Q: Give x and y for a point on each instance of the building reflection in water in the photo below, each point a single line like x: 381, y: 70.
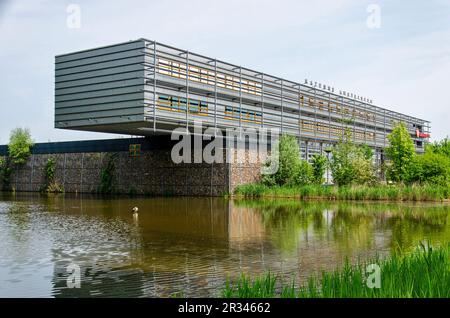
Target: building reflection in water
x: 190, y: 246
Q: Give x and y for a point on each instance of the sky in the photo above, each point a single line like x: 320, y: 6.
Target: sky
x: 395, y: 52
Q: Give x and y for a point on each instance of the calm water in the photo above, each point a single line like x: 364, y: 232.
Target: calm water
x: 191, y: 245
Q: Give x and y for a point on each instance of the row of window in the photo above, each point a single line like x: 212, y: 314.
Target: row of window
x: 335, y: 130
x: 174, y: 103
x: 235, y: 113
x: 338, y: 109
x: 135, y: 150
x: 205, y: 76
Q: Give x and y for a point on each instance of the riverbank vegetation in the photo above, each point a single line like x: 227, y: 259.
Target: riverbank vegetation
x: 19, y: 150
x: 20, y: 144
x: 356, y: 176
x: 426, y: 192
x: 51, y: 185
x: 5, y: 174
x: 107, y: 176
x: 425, y: 273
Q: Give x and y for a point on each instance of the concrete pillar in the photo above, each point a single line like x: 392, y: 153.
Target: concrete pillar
x: 306, y: 150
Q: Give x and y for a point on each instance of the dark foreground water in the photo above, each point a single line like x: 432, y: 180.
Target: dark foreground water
x: 191, y: 245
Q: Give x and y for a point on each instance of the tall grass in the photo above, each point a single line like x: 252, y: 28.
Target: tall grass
x: 381, y: 192
x: 424, y: 273
x: 263, y: 286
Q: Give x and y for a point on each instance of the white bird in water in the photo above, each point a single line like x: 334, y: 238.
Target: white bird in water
x: 135, y: 210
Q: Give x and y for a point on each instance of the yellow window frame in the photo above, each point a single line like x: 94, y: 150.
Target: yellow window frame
x: 135, y: 150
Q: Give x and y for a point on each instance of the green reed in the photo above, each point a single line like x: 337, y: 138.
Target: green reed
x: 373, y: 193
x: 424, y: 273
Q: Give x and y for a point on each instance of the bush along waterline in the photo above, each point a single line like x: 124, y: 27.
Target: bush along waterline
x: 404, y: 176
x: 426, y: 192
x: 51, y: 185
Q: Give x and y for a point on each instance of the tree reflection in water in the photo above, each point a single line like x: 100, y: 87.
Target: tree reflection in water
x: 191, y: 245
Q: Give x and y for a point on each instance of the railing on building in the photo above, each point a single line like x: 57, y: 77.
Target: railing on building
x: 183, y: 87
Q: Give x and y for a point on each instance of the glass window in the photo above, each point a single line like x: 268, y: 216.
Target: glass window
x: 228, y: 111
x: 135, y: 150
x: 236, y: 113
x: 203, y: 107
x: 182, y: 103
x: 174, y: 102
x: 193, y: 106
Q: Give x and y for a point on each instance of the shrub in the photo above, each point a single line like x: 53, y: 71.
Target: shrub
x: 364, y: 172
x: 5, y: 173
x: 50, y: 169
x: 51, y: 185
x: 20, y: 144
x: 431, y: 167
x: 351, y: 164
x: 440, y: 147
x: 400, y: 152
x: 367, y: 152
x: 303, y: 173
x: 341, y: 168
x: 319, y: 164
x: 291, y: 169
x: 107, y: 176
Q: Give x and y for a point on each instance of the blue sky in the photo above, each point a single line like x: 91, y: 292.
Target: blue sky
x: 404, y: 65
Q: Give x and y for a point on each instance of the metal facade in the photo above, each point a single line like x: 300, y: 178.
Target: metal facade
x: 143, y: 88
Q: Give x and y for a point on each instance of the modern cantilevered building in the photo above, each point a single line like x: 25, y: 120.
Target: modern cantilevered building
x: 144, y: 88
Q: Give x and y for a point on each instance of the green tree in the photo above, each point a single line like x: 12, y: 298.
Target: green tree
x: 364, y: 169
x: 2, y: 162
x: 341, y: 167
x: 431, y: 167
x: 367, y: 151
x: 351, y: 164
x: 289, y: 160
x: 20, y: 144
x: 303, y: 174
x: 400, y: 152
x: 319, y: 164
x: 441, y: 147
x: 291, y: 169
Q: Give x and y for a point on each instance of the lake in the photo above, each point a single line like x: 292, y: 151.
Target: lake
x: 191, y: 246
